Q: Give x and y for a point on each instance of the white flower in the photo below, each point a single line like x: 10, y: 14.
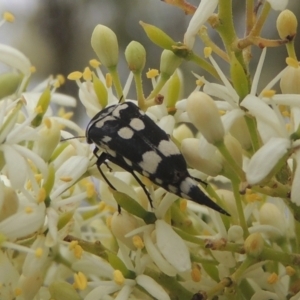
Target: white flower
x: 278, y: 4
x: 203, y: 12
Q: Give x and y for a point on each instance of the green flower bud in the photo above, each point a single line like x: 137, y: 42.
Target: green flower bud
x: 100, y: 91
x: 105, y: 44
x: 169, y: 62
x: 9, y: 83
x: 174, y: 89
x: 135, y: 55
x: 254, y: 244
x: 239, y: 78
x: 290, y: 79
x: 42, y: 107
x: 63, y: 290
x: 287, y: 25
x: 158, y: 37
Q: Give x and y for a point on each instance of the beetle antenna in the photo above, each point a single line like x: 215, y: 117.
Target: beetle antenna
x: 74, y: 137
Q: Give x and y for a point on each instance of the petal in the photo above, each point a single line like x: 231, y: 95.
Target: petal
x: 152, y: 287
x: 265, y: 159
x: 278, y: 4
x: 172, y: 246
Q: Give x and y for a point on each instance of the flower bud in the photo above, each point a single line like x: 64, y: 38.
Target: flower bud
x: 269, y: 214
x: 254, y: 244
x: 287, y: 25
x: 182, y: 132
x: 240, y: 131
x: 204, y: 114
x: 290, y: 79
x: 169, y: 62
x: 235, y: 149
x: 135, y: 55
x: 63, y: 290
x: 174, y: 89
x: 9, y: 83
x: 100, y: 91
x: 157, y: 36
x: 121, y: 224
x: 235, y: 233
x: 105, y: 44
x: 41, y: 107
x: 9, y: 201
x: 200, y: 158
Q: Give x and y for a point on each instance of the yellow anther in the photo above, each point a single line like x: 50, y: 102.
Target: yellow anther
x: 18, y: 292
x: 39, y: 109
x: 56, y: 84
x: 90, y: 189
x: 286, y: 113
x: 288, y: 127
x: 94, y: 63
x: 268, y: 93
x: 138, y: 242
x: 199, y: 82
x: 28, y: 209
x: 61, y: 78
x: 39, y: 252
x: 290, y: 271
x: 101, y: 206
x: 222, y: 112
x: 292, y: 62
x: 80, y: 281
x: 118, y: 277
x: 273, y: 278
x: 78, y: 251
x: 47, y: 122
x: 252, y: 197
x: 87, y: 74
x: 66, y: 178
x: 207, y: 52
x: 183, y: 204
x: 68, y: 115
x: 8, y: 17
x: 38, y: 177
x: 41, y: 196
x: 152, y: 73
x: 196, y: 274
x: 75, y: 75
x: 73, y: 244
x: 108, y: 221
x: 108, y: 80
x: 32, y: 69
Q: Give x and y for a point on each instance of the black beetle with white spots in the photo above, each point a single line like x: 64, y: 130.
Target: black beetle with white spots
x: 131, y: 140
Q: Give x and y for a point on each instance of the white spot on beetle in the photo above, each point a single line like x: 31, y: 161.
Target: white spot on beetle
x: 150, y: 161
x: 101, y: 122
x: 127, y: 161
x: 137, y: 124
x: 173, y: 189
x: 125, y: 133
x: 117, y: 110
x: 168, y: 148
x: 106, y: 139
x: 186, y: 185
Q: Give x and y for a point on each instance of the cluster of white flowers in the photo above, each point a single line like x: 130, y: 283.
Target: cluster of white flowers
x: 61, y: 234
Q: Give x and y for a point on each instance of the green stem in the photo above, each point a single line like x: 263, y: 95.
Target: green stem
x: 290, y: 47
x: 238, y: 201
x: 116, y: 81
x: 261, y: 19
x: 161, y: 82
x: 139, y: 90
x: 249, y: 15
x: 255, y: 138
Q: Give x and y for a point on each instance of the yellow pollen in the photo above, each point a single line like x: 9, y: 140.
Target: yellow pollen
x: 252, y: 197
x: 41, y: 196
x: 80, y: 281
x: 68, y: 115
x: 66, y: 178
x: 222, y: 112
x: 94, y: 63
x: 196, y: 274
x: 291, y: 62
x: 108, y: 80
x: 28, y: 209
x: 152, y: 73
x: 90, y: 189
x: 28, y: 185
x: 183, y: 204
x: 73, y: 244
x: 39, y: 109
x: 138, y: 242
x: 78, y: 251
x: 290, y: 271
x: 286, y: 113
x: 207, y: 52
x: 18, y: 292
x: 101, y: 206
x: 108, y: 221
x: 61, y: 78
x: 56, y: 84
x: 38, y: 252
x: 8, y: 17
x: 75, y: 75
x: 87, y: 74
x: 273, y: 278
x: 118, y: 277
x: 32, y: 69
x: 199, y: 82
x: 268, y: 93
x: 38, y: 177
